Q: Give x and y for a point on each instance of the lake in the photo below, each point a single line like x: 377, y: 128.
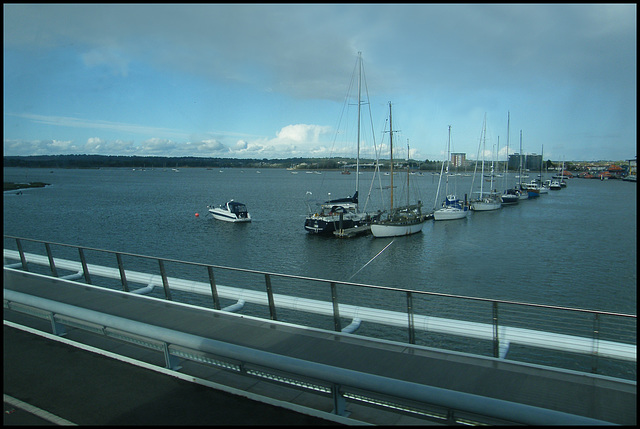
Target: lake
x: 575, y: 247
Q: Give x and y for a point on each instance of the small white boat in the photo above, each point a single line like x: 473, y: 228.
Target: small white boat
x: 449, y: 213
x: 232, y: 211
x: 452, y: 208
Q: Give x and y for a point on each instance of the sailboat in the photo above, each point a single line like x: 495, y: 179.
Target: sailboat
x: 452, y: 207
x: 337, y: 215
x: 510, y: 195
x: 403, y: 220
x: 563, y: 183
x: 521, y: 187
x: 490, y: 201
x: 544, y: 184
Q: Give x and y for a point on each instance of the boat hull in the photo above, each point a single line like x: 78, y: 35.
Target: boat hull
x: 396, y: 229
x: 449, y: 213
x: 226, y: 216
x: 486, y: 205
x: 326, y: 225
x: 510, y: 199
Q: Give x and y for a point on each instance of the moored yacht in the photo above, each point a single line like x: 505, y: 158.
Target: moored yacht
x: 231, y: 211
x: 510, y: 196
x: 336, y: 215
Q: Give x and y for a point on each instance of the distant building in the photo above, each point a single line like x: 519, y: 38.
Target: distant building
x: 529, y: 161
x: 633, y: 166
x: 458, y: 159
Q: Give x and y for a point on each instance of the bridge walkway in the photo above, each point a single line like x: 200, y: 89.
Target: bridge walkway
x: 580, y: 394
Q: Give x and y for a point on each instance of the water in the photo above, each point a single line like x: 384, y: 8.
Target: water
x: 575, y: 247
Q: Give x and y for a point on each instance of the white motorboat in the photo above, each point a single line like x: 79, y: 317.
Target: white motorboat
x: 231, y: 211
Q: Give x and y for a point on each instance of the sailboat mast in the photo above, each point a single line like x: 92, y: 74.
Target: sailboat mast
x: 484, y: 143
x: 541, y: 161
x: 359, y: 103
x: 520, y: 179
x: 391, y: 154
x: 408, y: 172
x: 446, y: 187
x: 506, y: 167
x: 495, y: 153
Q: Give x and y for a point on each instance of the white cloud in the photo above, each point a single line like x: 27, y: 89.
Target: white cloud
x: 290, y: 141
x: 119, y: 147
x: 17, y: 147
x: 211, y: 147
x: 302, y: 133
x: 93, y: 144
x: 157, y: 146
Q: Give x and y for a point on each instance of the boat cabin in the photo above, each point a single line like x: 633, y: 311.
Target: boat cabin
x: 239, y: 209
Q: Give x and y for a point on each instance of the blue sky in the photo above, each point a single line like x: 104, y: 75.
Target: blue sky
x: 269, y: 81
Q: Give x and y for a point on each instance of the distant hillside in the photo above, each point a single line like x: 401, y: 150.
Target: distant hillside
x: 105, y: 161
x: 96, y: 161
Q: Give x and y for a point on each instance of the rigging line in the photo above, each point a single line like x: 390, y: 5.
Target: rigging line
x: 371, y: 260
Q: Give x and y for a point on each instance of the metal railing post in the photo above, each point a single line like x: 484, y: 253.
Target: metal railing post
x: 336, y: 311
x: 214, y: 289
x: 171, y: 362
x: 165, y: 282
x: 596, y: 338
x: 496, y: 340
x: 123, y: 276
x: 412, y: 332
x: 339, y: 403
x: 22, y: 258
x: 52, y: 264
x: 272, y: 305
x: 85, y: 270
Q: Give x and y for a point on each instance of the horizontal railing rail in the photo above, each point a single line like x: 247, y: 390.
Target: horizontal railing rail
x: 498, y: 323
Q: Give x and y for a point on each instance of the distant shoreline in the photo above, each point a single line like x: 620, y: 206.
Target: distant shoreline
x: 12, y: 186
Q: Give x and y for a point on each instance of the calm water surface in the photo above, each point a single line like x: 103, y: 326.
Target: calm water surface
x: 575, y: 247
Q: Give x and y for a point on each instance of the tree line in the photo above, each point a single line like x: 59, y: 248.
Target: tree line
x: 121, y: 161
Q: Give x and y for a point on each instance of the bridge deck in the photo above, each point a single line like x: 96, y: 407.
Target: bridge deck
x: 581, y: 394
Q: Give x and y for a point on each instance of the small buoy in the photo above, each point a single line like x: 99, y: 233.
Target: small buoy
x: 197, y: 214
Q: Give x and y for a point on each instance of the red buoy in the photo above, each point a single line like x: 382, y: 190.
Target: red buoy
x: 197, y: 215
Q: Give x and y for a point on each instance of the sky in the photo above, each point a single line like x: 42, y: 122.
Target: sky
x: 271, y: 80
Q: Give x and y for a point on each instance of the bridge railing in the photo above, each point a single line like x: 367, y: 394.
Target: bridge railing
x: 339, y: 385
x: 578, y: 339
